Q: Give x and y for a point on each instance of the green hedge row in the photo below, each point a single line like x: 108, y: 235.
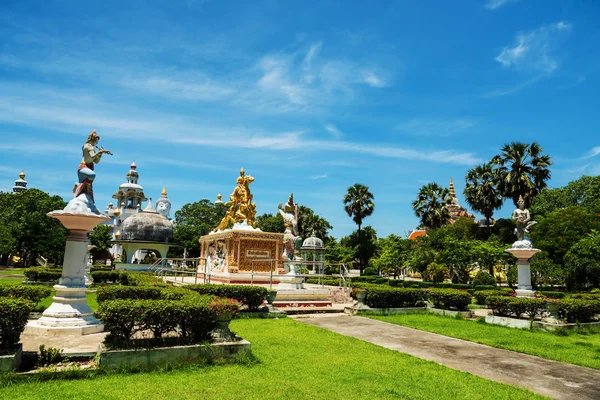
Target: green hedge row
x: 13, y: 318
x: 28, y: 292
x: 250, y: 296
x: 325, y: 281
x: 578, y: 310
x: 509, y: 306
x: 552, y: 295
x: 387, y: 297
x: 192, y: 319
x: 105, y: 276
x: 100, y: 267
x: 42, y: 274
x: 449, y: 299
x: 482, y: 295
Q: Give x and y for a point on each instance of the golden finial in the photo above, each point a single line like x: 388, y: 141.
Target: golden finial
x: 242, y: 171
x: 118, y: 234
x: 22, y: 175
x: 164, y: 191
x: 123, y: 204
x: 219, y: 201
x: 117, y: 212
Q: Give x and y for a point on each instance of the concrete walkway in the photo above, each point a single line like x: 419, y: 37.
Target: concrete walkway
x: 549, y: 378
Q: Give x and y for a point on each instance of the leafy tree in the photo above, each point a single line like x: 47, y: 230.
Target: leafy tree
x: 100, y: 238
x: 430, y: 206
x: 491, y: 255
x: 337, y: 253
x: 544, y: 271
x: 394, y: 253
x: 358, y: 204
x: 7, y: 241
x: 421, y: 254
x: 461, y: 257
x: 367, y: 242
x: 270, y: 223
x: 581, y: 262
x: 583, y: 192
x: 481, y: 191
x: 561, y: 229
x: 463, y: 228
x: 195, y: 220
x: 310, y: 223
x: 436, y: 273
x: 33, y: 232
x: 522, y: 171
x: 504, y: 231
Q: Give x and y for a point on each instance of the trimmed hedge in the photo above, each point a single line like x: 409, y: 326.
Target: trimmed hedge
x: 105, y: 276
x: 584, y: 296
x: 388, y: 297
x: 28, y: 292
x: 326, y: 281
x: 250, y: 296
x: 484, y: 278
x: 42, y: 274
x: 578, y: 310
x: 482, y: 295
x: 128, y: 293
x: 192, y: 318
x: 100, y: 267
x: 449, y: 298
x: 508, y: 306
x: 377, y: 280
x: 133, y: 278
x: 553, y: 295
x: 13, y: 318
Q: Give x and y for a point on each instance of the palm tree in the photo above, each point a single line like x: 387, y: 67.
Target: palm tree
x: 430, y: 206
x: 358, y: 203
x: 481, y: 191
x: 523, y: 171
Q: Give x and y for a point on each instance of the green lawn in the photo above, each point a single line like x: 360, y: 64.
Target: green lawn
x: 16, y: 271
x: 576, y: 348
x: 294, y: 361
x: 11, y: 281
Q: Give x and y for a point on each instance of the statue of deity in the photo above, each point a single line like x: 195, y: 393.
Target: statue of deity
x: 163, y: 204
x: 291, y: 239
x: 241, y: 207
x: 522, y: 218
x: 85, y: 172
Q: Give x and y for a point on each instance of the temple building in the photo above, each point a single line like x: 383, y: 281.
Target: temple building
x: 455, y: 209
x: 138, y: 235
x: 20, y: 184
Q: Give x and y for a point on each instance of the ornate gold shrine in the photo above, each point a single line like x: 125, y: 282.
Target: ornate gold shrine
x: 242, y: 250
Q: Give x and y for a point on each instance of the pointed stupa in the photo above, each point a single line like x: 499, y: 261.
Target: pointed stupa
x: 20, y: 184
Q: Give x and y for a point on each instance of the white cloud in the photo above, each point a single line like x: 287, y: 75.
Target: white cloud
x: 594, y: 151
x: 319, y: 176
x: 188, y: 89
x: 496, y: 4
x: 374, y: 80
x: 331, y: 128
x: 534, y: 50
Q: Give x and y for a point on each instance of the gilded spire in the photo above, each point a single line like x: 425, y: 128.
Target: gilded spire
x: 452, y: 191
x: 164, y: 191
x: 22, y: 175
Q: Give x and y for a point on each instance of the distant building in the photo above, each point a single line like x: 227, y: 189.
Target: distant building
x: 456, y: 210
x: 20, y: 184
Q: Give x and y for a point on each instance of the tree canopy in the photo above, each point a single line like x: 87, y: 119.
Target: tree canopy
x: 583, y: 192
x: 430, y: 206
x: 195, y: 220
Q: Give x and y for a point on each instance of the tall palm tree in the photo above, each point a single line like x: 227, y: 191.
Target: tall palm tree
x: 481, y: 191
x: 358, y: 203
x: 430, y: 206
x: 523, y: 171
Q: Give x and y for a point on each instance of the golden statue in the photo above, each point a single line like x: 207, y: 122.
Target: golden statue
x: 241, y: 207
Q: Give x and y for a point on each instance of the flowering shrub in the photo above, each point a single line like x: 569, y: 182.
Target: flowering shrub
x: 222, y: 305
x: 249, y: 296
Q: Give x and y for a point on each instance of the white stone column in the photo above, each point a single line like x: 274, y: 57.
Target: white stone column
x: 523, y: 251
x: 69, y: 312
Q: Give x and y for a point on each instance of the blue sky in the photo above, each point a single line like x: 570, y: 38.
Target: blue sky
x: 308, y: 97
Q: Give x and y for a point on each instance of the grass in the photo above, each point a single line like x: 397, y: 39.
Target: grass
x: 566, y: 346
x: 16, y: 271
x: 292, y: 361
x: 11, y: 281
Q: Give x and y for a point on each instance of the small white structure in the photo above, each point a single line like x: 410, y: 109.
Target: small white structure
x: 313, y: 253
x: 20, y: 184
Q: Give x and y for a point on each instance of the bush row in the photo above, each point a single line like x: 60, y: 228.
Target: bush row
x: 28, y: 292
x: 387, y: 297
x: 250, y: 296
x: 325, y: 281
x: 449, y: 299
x: 42, y: 274
x: 101, y: 276
x: 100, y: 267
x: 482, y: 295
x: 13, y: 318
x: 508, y: 306
x: 416, y: 284
x: 578, y: 310
x: 192, y: 318
x: 552, y: 294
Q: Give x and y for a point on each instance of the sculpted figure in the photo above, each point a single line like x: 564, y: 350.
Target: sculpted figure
x: 241, y: 207
x: 522, y: 218
x: 163, y: 204
x: 85, y: 172
x: 291, y: 239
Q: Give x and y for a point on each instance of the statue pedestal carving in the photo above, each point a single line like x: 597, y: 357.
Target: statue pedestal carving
x: 69, y: 312
x: 241, y: 255
x: 523, y: 251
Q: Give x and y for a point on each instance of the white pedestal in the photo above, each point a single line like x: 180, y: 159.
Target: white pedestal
x: 290, y: 282
x: 69, y: 312
x: 523, y: 253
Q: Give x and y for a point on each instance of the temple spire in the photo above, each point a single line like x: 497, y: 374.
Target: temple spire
x: 20, y: 184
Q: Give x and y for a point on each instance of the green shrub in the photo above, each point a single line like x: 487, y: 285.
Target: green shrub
x: 396, y: 283
x: 42, y: 274
x: 436, y: 273
x: 484, y: 278
x: 325, y: 281
x: 377, y: 280
x: 509, y: 306
x: 193, y: 318
x: 128, y: 293
x: 388, y: 297
x: 584, y: 296
x: 100, y: 267
x: 135, y: 278
x: 417, y: 284
x: 449, y: 298
x: 105, y: 276
x: 49, y: 356
x: 28, y: 292
x: 578, y: 310
x: 482, y: 295
x: 250, y: 296
x: 370, y: 271
x: 13, y: 318
x: 553, y: 295
x: 484, y: 287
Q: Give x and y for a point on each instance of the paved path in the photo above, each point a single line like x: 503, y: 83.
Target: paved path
x: 549, y: 378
